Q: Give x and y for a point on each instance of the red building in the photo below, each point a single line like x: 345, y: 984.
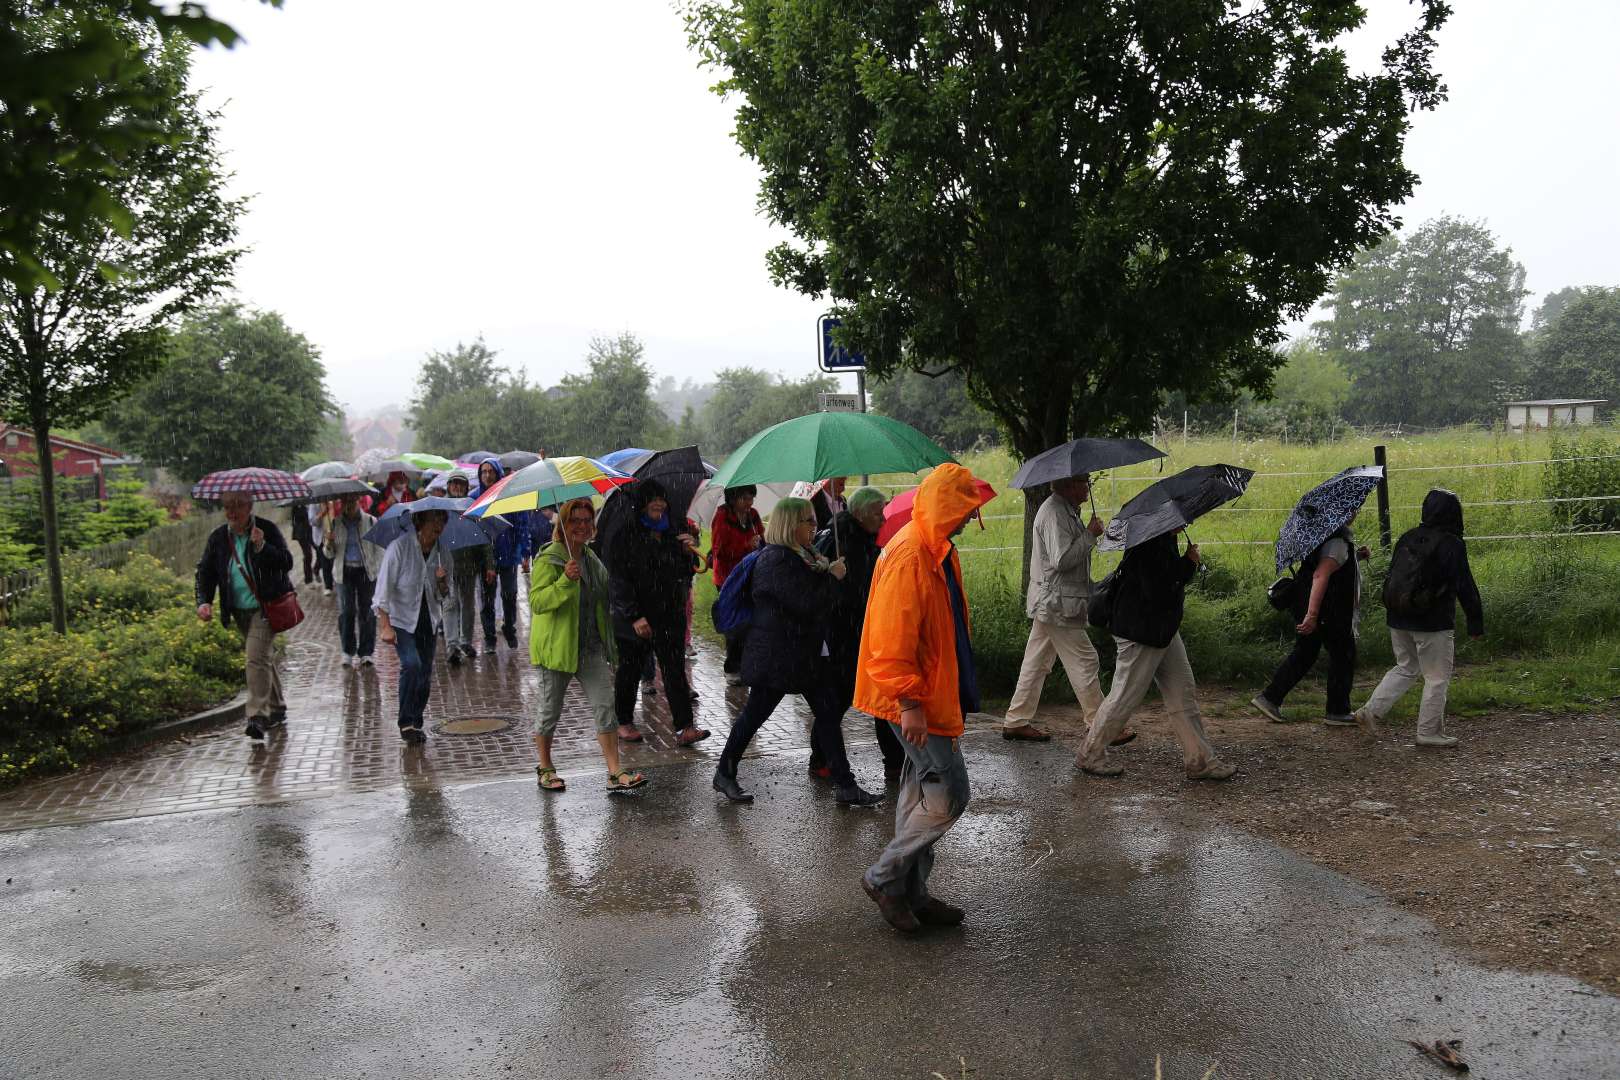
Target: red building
x: 18, y: 457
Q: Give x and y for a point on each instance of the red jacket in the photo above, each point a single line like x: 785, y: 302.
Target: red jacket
x: 731, y: 541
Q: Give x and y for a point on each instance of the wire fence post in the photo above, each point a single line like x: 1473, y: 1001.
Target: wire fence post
x: 1381, y: 459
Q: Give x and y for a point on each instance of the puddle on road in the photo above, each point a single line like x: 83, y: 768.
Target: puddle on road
x: 132, y: 977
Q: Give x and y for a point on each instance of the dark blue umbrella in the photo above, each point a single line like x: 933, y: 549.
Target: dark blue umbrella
x: 459, y: 532
x: 1324, y: 510
x: 1174, y: 503
x: 628, y: 459
x: 1082, y: 456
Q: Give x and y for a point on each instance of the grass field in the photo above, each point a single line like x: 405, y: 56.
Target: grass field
x: 1552, y: 604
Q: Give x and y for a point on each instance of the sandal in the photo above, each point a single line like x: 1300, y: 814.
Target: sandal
x: 549, y: 780
x: 634, y: 736
x: 624, y: 780
x: 691, y: 735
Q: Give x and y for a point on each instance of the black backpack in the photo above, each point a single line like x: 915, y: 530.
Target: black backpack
x: 1414, y: 584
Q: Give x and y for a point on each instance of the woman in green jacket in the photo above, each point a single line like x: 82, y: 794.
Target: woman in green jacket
x: 571, y: 637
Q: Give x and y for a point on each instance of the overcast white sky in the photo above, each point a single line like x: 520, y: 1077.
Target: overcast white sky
x: 544, y: 172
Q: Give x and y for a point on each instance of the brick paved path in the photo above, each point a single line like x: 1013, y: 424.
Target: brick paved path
x: 341, y: 736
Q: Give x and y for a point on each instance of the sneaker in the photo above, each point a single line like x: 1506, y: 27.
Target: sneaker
x: 367, y: 661
x: 255, y: 727
x: 454, y: 658
x: 934, y: 912
x: 896, y: 912
x: 1215, y: 770
x: 1102, y: 768
x: 348, y: 661
x: 413, y: 736
x: 1442, y: 741
x: 277, y: 718
x: 1339, y: 720
x: 1271, y: 712
x: 326, y: 591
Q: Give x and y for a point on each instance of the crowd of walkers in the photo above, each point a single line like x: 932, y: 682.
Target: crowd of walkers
x: 831, y: 617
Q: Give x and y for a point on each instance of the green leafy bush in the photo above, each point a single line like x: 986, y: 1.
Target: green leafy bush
x: 136, y: 662
x: 141, y: 586
x: 1590, y: 467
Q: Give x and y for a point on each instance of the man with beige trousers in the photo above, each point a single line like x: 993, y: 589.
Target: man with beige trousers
x: 1059, y: 590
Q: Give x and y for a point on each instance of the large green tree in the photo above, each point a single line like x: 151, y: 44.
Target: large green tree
x: 239, y: 388
x: 1076, y: 206
x: 1427, y: 326
x: 610, y: 405
x: 77, y: 109
x: 456, y: 391
x: 939, y: 408
x: 1577, y: 354
x: 71, y: 346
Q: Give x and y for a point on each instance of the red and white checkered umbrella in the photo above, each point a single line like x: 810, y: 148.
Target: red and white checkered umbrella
x: 258, y: 483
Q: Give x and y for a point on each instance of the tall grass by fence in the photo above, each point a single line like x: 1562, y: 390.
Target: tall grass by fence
x: 177, y: 546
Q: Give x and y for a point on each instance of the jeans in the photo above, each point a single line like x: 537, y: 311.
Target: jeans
x: 506, y: 577
x: 415, y: 651
x: 826, y: 732
x: 354, y: 606
x: 933, y: 794
x: 1341, y: 650
x: 633, y: 653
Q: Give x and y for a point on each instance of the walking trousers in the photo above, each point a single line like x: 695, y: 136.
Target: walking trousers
x: 1428, y: 654
x: 634, y: 651
x: 263, y: 677
x: 1340, y: 643
x: 933, y: 794
x: 1048, y: 643
x: 1137, y: 667
x: 826, y: 732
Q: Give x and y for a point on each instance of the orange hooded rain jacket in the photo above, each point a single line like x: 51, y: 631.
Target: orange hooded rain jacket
x: 908, y: 642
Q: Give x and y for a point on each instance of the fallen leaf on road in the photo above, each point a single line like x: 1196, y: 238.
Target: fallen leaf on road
x: 1443, y: 1052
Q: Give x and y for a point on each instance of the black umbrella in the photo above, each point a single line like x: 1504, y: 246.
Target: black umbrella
x: 1173, y: 503
x: 332, y: 488
x: 1324, y: 510
x: 513, y: 460
x: 680, y: 473
x: 1082, y: 456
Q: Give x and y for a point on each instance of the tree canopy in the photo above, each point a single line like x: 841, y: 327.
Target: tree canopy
x: 939, y: 408
x: 1075, y: 207
x: 1427, y: 326
x: 1577, y: 354
x: 239, y: 388
x: 746, y: 401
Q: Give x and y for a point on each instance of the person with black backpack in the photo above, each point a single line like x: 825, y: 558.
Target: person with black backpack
x: 1326, y: 605
x: 1428, y: 577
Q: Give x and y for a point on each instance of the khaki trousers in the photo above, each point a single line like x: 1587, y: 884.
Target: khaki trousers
x: 1430, y: 654
x: 1050, y: 642
x: 263, y: 679
x: 1138, y: 667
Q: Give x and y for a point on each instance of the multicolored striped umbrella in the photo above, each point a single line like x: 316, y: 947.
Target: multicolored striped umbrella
x: 258, y: 483
x: 548, y: 483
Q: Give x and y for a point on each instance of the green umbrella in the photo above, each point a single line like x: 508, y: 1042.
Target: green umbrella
x: 424, y: 462
x: 824, y: 445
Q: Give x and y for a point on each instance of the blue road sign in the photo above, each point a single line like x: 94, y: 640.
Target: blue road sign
x: 834, y: 358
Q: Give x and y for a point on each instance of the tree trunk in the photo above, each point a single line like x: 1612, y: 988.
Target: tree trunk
x: 47, y: 510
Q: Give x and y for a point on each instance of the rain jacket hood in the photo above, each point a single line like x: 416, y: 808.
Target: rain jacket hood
x: 500, y: 471
x: 908, y: 640
x: 1443, y: 510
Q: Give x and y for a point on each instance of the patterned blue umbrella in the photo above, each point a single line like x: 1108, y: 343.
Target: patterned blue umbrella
x: 1323, y: 511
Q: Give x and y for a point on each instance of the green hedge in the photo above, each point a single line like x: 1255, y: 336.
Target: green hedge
x: 136, y: 656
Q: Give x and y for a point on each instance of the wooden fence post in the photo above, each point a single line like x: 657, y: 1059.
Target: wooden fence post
x: 1381, y: 457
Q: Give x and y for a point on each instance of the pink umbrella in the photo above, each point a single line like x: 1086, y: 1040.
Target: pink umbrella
x: 898, y: 512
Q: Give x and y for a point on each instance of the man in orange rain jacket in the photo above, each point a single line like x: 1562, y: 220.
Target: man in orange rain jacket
x: 916, y: 671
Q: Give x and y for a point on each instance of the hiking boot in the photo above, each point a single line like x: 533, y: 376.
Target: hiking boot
x: 896, y: 912
x: 855, y: 795
x: 1271, y: 712
x: 1339, y: 720
x: 725, y: 782
x: 1215, y: 770
x: 934, y: 912
x: 1441, y: 741
x: 1102, y: 768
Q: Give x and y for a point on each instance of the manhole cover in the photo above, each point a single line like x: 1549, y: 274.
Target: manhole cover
x: 475, y: 725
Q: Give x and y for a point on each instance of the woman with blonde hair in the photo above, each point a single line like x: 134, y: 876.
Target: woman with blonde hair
x: 571, y: 638
x: 792, y: 589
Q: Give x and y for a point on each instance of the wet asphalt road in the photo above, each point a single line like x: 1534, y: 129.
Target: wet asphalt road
x: 494, y: 931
